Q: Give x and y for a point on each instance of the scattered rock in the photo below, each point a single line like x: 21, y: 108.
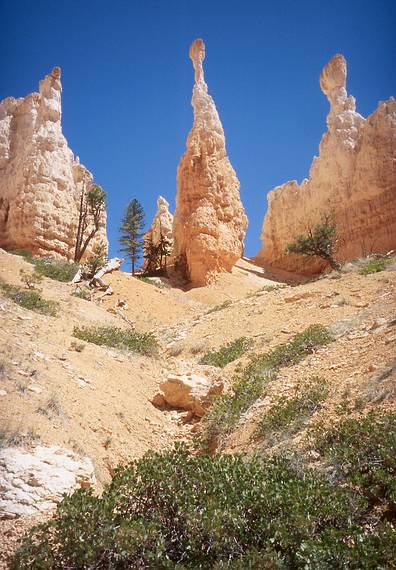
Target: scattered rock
x: 187, y: 392
x: 34, y: 481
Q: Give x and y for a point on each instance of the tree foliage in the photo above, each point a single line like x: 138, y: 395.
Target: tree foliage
x: 92, y: 207
x: 174, y: 510
x: 156, y: 255
x: 131, y: 232
x: 320, y: 241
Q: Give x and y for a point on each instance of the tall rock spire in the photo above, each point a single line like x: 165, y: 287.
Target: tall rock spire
x: 209, y: 223
x: 353, y: 178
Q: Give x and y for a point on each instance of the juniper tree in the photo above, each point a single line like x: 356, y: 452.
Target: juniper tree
x: 321, y: 240
x: 131, y: 232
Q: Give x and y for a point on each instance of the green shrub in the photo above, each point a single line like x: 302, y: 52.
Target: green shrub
x: 114, y: 337
x: 81, y: 293
x: 228, y: 408
x: 287, y: 415
x: 57, y: 269
x: 25, y: 253
x: 29, y: 299
x: 227, y: 353
x: 293, y: 352
x: 374, y: 265
x: 220, y: 307
x: 176, y: 510
x: 362, y: 451
x: 158, y: 284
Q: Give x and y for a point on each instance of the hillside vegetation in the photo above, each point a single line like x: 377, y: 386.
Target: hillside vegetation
x: 292, y: 467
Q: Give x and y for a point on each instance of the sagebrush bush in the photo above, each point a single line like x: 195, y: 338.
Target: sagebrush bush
x: 176, y: 510
x: 30, y: 299
x: 374, y: 265
x: 227, y: 353
x: 287, y: 414
x: 249, y: 386
x: 220, y: 307
x: 114, y: 337
x: 57, y: 269
x: 362, y: 451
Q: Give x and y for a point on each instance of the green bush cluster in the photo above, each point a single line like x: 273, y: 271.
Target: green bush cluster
x: 29, y: 299
x: 374, y: 265
x: 228, y: 408
x: 362, y: 451
x: 287, y: 415
x: 179, y: 511
x: 220, y: 307
x: 57, y: 269
x: 114, y: 337
x: 227, y: 353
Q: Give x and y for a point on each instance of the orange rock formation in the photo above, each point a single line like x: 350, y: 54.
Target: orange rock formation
x: 354, y: 178
x: 40, y: 179
x: 209, y: 222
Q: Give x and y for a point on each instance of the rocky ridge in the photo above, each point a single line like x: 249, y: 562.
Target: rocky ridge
x: 353, y: 178
x: 209, y: 222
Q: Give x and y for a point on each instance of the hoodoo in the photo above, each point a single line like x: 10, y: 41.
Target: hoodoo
x: 40, y: 179
x: 210, y: 222
x: 354, y: 179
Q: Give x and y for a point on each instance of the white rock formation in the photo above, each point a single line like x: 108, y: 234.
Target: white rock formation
x: 188, y: 392
x: 209, y: 222
x: 33, y: 481
x: 40, y: 179
x: 354, y: 178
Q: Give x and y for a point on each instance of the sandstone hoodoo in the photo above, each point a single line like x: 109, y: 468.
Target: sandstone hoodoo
x: 40, y: 179
x: 210, y: 222
x: 354, y: 179
x: 161, y: 227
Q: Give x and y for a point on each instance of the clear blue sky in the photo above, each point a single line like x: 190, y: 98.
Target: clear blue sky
x: 127, y: 83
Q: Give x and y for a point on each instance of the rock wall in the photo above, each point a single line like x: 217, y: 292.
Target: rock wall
x: 354, y: 177
x: 40, y: 179
x: 209, y: 223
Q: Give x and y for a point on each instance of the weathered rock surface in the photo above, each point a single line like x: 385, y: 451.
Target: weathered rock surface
x: 354, y: 178
x: 187, y: 392
x: 162, y: 224
x: 33, y: 481
x: 40, y: 179
x: 209, y: 223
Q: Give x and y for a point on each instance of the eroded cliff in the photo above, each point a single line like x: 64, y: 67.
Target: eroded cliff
x: 354, y: 178
x: 40, y: 179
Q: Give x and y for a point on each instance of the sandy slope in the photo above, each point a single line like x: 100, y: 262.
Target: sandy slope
x: 97, y: 401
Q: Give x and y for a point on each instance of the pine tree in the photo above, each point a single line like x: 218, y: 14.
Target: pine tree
x: 92, y: 207
x: 131, y: 231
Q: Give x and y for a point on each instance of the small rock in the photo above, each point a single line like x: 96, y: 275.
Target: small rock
x: 34, y: 388
x: 3, y: 393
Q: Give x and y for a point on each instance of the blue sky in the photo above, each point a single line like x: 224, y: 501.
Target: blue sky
x: 127, y: 83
